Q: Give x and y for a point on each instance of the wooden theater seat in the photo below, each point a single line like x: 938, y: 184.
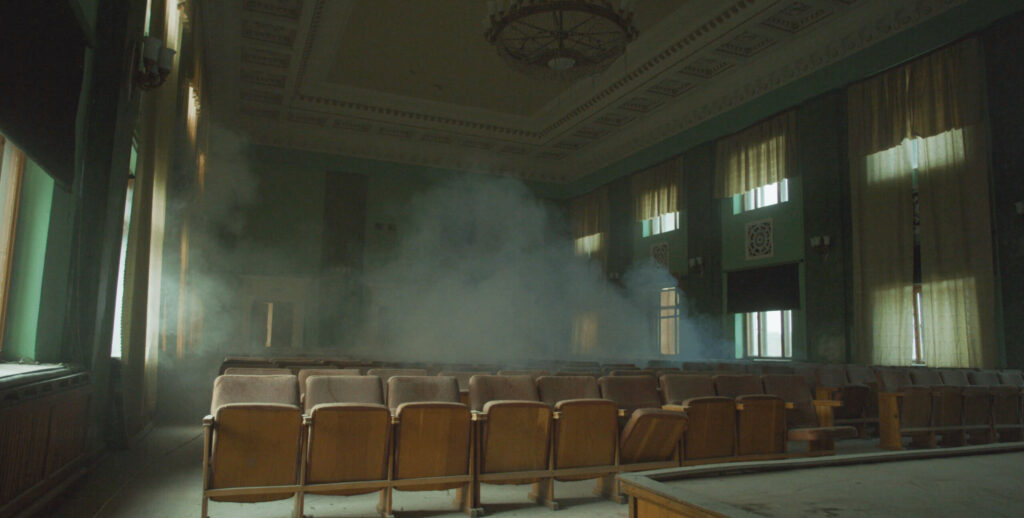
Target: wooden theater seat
x: 585, y: 429
x: 304, y: 375
x: 809, y: 419
x: 252, y: 440
x: 513, y: 433
x: 976, y: 401
x: 760, y: 417
x: 349, y: 439
x: 1006, y: 405
x: 711, y: 419
x: 904, y: 409
x: 833, y: 384
x: 257, y: 371
x: 947, y: 405
x: 649, y: 434
x: 432, y: 435
x: 865, y: 375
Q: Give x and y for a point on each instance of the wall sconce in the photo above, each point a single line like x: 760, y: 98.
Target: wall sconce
x: 1020, y: 207
x: 821, y: 244
x: 697, y: 265
x: 157, y: 61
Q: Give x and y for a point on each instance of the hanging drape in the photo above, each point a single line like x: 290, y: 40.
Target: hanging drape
x: 12, y: 164
x: 656, y: 190
x: 762, y: 154
x: 957, y: 284
x: 930, y: 110
x: 589, y: 216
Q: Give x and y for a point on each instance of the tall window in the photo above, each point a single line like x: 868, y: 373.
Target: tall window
x: 668, y: 320
x: 769, y: 334
x: 656, y: 198
x: 12, y: 164
x: 118, y: 334
x: 589, y: 215
x: 922, y: 248
x: 764, y: 196
x: 755, y: 162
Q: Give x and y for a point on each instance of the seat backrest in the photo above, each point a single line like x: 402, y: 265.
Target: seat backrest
x: 414, y: 389
x: 925, y: 376
x: 552, y: 389
x: 342, y: 389
x: 256, y: 371
x: 735, y: 385
x: 631, y: 392
x: 627, y: 372
x: 730, y: 367
x: 522, y: 372
x: 954, y: 377
x: 986, y: 378
x: 663, y: 364
x: 386, y: 372
x: 304, y: 374
x: 792, y: 389
x: 860, y: 374
x: 239, y: 388
x: 462, y: 377
x: 489, y: 387
x: 774, y: 368
x: 892, y: 379
x: 1012, y: 377
x: 698, y: 367
x: 832, y: 376
x: 679, y: 387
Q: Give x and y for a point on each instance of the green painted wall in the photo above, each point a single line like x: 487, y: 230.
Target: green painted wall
x: 50, y: 344
x: 28, y: 265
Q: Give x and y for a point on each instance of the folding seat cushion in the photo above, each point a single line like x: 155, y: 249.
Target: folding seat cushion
x: 711, y: 420
x: 252, y: 438
x: 650, y: 434
x: 258, y: 371
x: 807, y: 420
x: 349, y: 437
x: 304, y: 374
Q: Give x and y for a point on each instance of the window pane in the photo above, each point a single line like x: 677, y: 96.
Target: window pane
x: 770, y: 194
x: 773, y: 333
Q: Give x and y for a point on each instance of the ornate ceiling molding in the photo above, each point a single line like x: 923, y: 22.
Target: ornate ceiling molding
x: 708, y: 58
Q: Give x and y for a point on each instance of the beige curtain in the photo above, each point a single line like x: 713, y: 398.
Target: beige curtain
x: 930, y: 109
x: 12, y: 165
x: 589, y: 215
x: 957, y: 284
x: 656, y: 190
x: 762, y: 154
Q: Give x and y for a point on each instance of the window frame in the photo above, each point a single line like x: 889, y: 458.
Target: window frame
x: 671, y: 312
x: 755, y: 348
x: 755, y: 198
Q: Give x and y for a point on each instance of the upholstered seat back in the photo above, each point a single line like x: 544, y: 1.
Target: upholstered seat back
x: 462, y: 377
x: 679, y: 387
x: 342, y: 389
x: 832, y: 376
x: 925, y: 377
x: 552, y: 389
x: 239, y: 388
x: 485, y: 388
x: 631, y: 392
x: 735, y: 385
x: 416, y: 389
x: 792, y: 389
x: 256, y: 371
x: 304, y: 374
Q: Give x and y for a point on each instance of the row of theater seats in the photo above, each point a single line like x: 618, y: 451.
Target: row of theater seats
x: 355, y: 434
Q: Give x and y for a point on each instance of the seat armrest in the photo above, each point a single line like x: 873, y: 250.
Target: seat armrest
x: 827, y: 403
x: 823, y: 392
x: 622, y: 412
x: 897, y: 395
x: 790, y: 405
x: 675, y: 407
x: 208, y: 421
x: 512, y: 403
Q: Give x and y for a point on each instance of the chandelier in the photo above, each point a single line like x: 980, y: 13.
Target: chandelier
x: 560, y: 39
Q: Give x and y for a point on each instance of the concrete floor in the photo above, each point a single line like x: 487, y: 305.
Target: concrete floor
x: 161, y: 477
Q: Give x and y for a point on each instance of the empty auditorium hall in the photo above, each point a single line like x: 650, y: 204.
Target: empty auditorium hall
x: 511, y: 258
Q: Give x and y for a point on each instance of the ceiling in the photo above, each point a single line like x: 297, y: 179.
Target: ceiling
x: 415, y: 82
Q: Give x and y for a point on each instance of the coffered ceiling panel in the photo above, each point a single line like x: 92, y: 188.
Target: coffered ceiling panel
x: 416, y: 82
